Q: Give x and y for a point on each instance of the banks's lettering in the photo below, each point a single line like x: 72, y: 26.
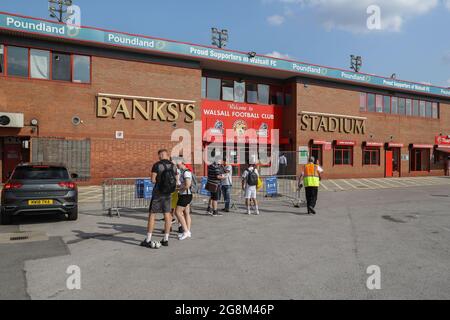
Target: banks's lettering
x: 150, y: 109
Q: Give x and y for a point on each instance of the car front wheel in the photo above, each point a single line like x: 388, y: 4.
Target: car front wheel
x: 73, y: 215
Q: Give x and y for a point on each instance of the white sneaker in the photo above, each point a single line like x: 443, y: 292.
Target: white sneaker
x: 185, y: 236
x: 249, y: 213
x: 257, y: 213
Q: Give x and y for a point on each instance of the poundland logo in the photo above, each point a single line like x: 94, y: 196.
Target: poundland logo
x: 11, y: 22
x: 130, y: 41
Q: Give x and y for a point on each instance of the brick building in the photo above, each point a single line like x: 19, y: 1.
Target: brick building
x: 104, y: 102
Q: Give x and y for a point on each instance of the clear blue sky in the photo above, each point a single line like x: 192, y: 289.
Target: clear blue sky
x: 414, y: 41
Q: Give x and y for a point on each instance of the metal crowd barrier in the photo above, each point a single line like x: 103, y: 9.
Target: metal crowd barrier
x: 122, y: 194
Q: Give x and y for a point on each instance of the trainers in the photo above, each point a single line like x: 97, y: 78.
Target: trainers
x: 185, y: 236
x: 165, y: 243
x: 146, y: 244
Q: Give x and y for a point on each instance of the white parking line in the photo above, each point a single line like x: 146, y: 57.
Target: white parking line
x: 324, y: 186
x: 359, y: 181
x: 336, y: 185
x: 386, y: 182
x: 351, y: 185
x: 402, y: 184
x: 375, y: 183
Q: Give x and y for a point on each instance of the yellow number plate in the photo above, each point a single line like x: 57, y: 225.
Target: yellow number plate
x: 40, y: 202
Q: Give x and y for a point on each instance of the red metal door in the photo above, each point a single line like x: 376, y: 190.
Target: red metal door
x: 389, y: 164
x: 12, y: 156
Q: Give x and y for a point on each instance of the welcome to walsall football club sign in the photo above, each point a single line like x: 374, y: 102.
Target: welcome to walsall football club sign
x: 85, y: 34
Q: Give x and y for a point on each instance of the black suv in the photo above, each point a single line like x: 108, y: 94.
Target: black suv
x: 39, y: 189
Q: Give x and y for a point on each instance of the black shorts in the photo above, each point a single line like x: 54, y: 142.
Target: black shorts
x: 215, y: 196
x: 184, y: 200
x: 161, y: 204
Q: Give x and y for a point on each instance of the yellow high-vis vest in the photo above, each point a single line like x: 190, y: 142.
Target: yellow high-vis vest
x: 311, y: 177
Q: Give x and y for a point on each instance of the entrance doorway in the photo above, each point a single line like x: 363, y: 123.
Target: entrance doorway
x: 14, y: 151
x: 239, y: 156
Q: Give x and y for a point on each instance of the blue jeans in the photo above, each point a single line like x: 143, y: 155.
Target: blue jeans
x: 226, y: 191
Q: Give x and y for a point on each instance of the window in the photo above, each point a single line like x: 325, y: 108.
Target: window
x: 394, y: 105
x: 362, y: 102
x: 416, y: 108
x: 420, y: 160
x: 213, y: 88
x: 371, y: 102
x: 2, y: 57
x: 343, y: 155
x: 379, y: 102
x: 408, y: 107
x: 17, y: 61
x: 288, y: 96
x: 422, y: 108
x: 316, y: 152
x: 263, y: 94
x: 252, y: 93
x: 371, y: 156
x: 228, y: 90
x: 81, y: 69
x: 401, y: 106
x: 387, y: 104
x: 428, y: 110
x: 203, y: 87
x: 39, y: 64
x: 435, y: 111
x: 61, y: 69
x: 239, y: 91
x: 276, y: 95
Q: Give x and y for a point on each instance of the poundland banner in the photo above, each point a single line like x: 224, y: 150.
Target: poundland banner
x: 85, y: 34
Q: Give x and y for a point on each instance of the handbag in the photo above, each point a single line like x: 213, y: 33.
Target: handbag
x: 212, y: 187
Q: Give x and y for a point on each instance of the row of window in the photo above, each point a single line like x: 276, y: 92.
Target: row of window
x: 44, y: 64
x: 241, y: 92
x: 343, y: 155
x: 402, y: 106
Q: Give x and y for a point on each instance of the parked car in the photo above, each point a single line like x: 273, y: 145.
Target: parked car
x: 35, y: 189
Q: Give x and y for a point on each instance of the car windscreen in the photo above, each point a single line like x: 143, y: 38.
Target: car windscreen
x: 40, y: 173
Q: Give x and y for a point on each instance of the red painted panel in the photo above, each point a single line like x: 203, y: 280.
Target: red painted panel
x: 389, y: 164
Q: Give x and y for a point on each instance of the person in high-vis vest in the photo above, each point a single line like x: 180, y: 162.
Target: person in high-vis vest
x: 311, y: 176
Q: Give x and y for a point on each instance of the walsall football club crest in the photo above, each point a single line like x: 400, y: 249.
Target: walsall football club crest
x: 263, y: 130
x: 218, y: 127
x: 240, y: 127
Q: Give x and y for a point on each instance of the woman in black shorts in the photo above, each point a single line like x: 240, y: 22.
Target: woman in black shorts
x: 184, y: 200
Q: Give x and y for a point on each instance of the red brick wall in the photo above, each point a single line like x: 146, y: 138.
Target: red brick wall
x: 55, y: 103
x: 404, y: 129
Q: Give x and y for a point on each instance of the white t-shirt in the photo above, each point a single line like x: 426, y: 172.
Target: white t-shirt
x: 245, y: 175
x: 187, y: 175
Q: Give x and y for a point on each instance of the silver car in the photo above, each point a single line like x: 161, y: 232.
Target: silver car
x: 35, y: 189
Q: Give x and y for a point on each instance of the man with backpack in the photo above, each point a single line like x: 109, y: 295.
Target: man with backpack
x: 215, y: 177
x: 250, y: 180
x: 227, y: 186
x: 164, y: 177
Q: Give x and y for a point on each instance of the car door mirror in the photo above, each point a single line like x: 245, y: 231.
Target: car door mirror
x: 74, y: 176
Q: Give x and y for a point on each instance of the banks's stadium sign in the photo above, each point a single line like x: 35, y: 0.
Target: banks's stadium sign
x: 155, y: 45
x: 147, y: 108
x: 332, y: 123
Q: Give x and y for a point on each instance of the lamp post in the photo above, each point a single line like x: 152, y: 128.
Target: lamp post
x: 356, y: 63
x: 219, y: 38
x: 58, y: 9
